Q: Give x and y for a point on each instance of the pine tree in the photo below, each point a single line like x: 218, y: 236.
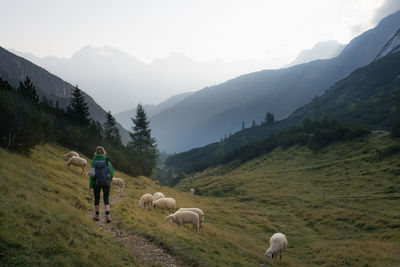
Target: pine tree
x: 142, y: 144
x: 78, y: 108
x: 111, y: 130
x: 269, y: 119
x: 28, y: 90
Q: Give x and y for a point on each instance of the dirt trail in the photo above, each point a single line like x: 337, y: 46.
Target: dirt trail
x: 145, y: 251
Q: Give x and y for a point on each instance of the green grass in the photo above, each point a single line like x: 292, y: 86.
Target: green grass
x: 43, y: 215
x: 338, y: 207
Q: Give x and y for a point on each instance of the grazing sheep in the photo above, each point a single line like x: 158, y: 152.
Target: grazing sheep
x: 78, y: 162
x: 278, y: 243
x: 184, y: 217
x: 117, y: 182
x: 157, y: 195
x: 146, y: 201
x: 70, y: 155
x: 157, y: 182
x: 192, y: 191
x: 199, y: 212
x: 165, y: 203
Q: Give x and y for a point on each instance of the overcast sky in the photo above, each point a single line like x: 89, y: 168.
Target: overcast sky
x: 201, y: 29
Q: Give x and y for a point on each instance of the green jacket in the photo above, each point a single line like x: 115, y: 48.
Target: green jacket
x: 110, y: 167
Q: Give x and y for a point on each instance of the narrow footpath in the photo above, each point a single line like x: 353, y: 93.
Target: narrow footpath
x: 145, y: 251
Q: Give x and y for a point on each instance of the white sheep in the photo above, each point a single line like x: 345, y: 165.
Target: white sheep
x: 77, y: 162
x: 146, y: 201
x: 117, y: 182
x: 158, y: 195
x: 199, y: 212
x: 70, y: 155
x: 192, y: 190
x: 184, y: 217
x: 278, y: 243
x: 166, y: 203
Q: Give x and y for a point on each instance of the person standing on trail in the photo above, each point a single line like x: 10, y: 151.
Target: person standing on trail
x: 101, y: 175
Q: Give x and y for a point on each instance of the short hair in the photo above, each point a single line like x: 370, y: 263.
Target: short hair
x: 100, y: 150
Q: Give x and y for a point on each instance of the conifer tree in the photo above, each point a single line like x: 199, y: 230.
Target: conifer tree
x: 28, y: 90
x: 111, y: 130
x: 142, y: 144
x: 78, y: 108
x: 269, y: 119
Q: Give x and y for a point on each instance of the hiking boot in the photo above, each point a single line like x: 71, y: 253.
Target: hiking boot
x: 96, y: 217
x: 108, y: 218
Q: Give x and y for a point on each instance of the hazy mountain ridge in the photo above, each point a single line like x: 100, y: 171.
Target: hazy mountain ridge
x: 213, y: 112
x: 109, y: 73
x: 14, y: 69
x: 124, y: 117
x: 321, y: 50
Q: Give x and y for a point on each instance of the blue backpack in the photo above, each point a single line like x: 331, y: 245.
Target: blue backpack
x: 102, y: 171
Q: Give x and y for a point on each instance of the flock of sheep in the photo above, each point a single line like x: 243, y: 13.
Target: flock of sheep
x: 182, y: 216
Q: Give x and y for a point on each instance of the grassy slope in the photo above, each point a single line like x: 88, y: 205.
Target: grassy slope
x: 43, y: 207
x: 339, y: 206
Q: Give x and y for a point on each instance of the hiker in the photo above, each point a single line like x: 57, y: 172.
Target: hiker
x: 101, y: 175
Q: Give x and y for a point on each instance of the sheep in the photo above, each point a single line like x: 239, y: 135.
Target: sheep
x: 117, y: 182
x: 146, y: 201
x: 184, y: 217
x: 70, y: 155
x: 78, y: 162
x: 278, y: 243
x: 191, y: 191
x: 165, y: 203
x: 158, y: 195
x: 199, y: 212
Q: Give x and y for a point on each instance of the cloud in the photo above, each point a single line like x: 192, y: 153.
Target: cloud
x: 388, y: 7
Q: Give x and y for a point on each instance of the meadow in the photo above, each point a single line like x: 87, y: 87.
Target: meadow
x: 338, y: 207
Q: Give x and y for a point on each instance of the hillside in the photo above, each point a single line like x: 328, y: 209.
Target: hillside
x: 330, y: 205
x: 43, y: 215
x: 124, y: 117
x: 14, y: 69
x: 321, y: 50
x: 369, y: 96
x: 337, y: 207
x: 211, y: 113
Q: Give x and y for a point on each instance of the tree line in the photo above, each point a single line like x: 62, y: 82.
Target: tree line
x: 25, y: 122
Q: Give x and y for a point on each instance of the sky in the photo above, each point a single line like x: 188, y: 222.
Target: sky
x: 203, y: 30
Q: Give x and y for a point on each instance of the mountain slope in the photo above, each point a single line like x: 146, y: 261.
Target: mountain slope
x: 43, y: 215
x: 392, y: 46
x: 321, y: 50
x: 213, y: 112
x: 330, y: 204
x: 14, y: 69
x: 124, y: 117
x: 369, y: 96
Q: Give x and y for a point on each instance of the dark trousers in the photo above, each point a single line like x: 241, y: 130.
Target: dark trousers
x: 96, y: 191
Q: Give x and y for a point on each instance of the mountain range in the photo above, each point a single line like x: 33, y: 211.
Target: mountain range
x: 213, y: 112
x: 109, y: 73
